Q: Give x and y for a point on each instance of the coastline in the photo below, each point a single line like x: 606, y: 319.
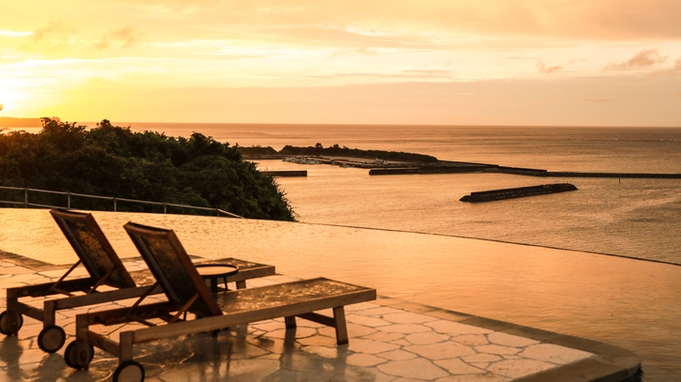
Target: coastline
x: 381, y: 162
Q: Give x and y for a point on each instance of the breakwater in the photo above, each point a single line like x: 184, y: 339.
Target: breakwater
x: 407, y: 163
x: 463, y: 167
x: 286, y: 173
x: 518, y: 192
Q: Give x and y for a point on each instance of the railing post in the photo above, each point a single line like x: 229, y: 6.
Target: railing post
x: 165, y: 205
x: 25, y: 197
x: 68, y: 200
x: 114, y: 200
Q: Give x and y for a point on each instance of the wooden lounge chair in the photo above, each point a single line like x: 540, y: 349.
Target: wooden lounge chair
x: 108, y: 281
x: 187, y: 293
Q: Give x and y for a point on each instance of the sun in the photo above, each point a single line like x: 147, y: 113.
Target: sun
x: 5, y: 98
x: 9, y: 98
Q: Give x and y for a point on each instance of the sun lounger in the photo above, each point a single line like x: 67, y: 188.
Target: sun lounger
x: 108, y: 281
x: 187, y: 293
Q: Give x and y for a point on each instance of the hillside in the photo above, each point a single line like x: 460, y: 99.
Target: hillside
x: 117, y: 162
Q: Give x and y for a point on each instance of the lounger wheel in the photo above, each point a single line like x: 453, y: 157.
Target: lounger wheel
x: 10, y: 323
x: 51, y: 338
x: 129, y: 371
x: 79, y: 356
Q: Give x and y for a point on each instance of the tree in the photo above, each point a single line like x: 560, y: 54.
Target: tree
x: 115, y: 161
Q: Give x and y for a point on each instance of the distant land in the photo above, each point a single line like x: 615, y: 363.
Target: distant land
x: 318, y: 151
x: 20, y: 122
x: 380, y: 162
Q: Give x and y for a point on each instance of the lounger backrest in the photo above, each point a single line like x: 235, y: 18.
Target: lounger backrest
x: 92, y: 247
x: 172, y: 267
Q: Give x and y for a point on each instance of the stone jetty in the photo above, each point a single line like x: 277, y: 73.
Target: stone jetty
x: 518, y: 192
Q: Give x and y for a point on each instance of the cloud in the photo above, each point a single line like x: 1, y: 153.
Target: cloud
x: 54, y: 31
x: 349, y: 37
x: 549, y: 69
x: 671, y: 72
x: 401, y: 75
x: 55, y: 38
x: 61, y: 39
x: 123, y: 37
x: 427, y: 72
x: 573, y: 19
x: 642, y: 60
x: 365, y: 51
x: 677, y: 66
x: 8, y: 33
x: 594, y: 19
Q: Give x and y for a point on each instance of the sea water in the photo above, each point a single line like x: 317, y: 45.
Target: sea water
x: 637, y: 218
x: 627, y: 302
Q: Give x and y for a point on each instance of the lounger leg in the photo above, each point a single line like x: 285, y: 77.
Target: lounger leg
x: 125, y: 347
x: 80, y: 352
x: 341, y: 328
x: 82, y: 327
x: 49, y: 313
x: 290, y: 322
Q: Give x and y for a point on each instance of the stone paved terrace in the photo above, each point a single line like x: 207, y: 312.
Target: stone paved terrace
x: 390, y: 340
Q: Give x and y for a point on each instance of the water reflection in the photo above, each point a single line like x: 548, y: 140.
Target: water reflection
x: 628, y: 303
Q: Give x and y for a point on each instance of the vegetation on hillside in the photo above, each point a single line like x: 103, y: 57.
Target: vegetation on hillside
x: 115, y: 161
x: 338, y: 151
x: 259, y: 152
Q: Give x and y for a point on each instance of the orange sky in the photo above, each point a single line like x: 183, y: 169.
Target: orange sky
x: 520, y: 62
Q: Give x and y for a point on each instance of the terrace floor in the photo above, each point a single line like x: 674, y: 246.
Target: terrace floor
x: 390, y: 340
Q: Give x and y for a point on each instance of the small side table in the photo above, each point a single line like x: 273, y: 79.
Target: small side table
x: 214, y: 272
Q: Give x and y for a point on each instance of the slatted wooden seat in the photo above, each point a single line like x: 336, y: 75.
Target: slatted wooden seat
x: 186, y: 293
x: 108, y: 281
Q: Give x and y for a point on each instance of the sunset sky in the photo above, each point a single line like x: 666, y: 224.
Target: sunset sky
x: 450, y: 62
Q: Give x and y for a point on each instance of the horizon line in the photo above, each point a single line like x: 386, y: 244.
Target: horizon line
x: 345, y: 124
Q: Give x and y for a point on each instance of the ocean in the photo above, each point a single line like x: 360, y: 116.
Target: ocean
x: 639, y: 218
x: 628, y: 224
x: 601, y: 262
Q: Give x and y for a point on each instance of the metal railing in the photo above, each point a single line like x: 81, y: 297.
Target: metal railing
x: 26, y: 203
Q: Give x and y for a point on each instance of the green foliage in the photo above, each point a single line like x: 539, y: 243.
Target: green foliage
x: 338, y: 151
x: 258, y: 151
x: 115, y: 161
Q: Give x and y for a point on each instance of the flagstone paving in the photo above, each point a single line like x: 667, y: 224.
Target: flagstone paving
x: 390, y: 340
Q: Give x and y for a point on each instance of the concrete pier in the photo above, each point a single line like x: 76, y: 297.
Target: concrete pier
x: 517, y: 192
x: 287, y: 173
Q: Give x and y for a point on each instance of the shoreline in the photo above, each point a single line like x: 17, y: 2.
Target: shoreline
x: 454, y: 167
x: 380, y: 162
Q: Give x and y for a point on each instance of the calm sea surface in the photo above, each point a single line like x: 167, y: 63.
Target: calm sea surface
x: 640, y: 218
x: 408, y: 235
x: 637, y: 306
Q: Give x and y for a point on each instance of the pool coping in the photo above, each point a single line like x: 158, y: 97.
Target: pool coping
x: 609, y: 363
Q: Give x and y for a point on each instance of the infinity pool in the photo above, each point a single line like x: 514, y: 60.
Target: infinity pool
x: 628, y: 303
